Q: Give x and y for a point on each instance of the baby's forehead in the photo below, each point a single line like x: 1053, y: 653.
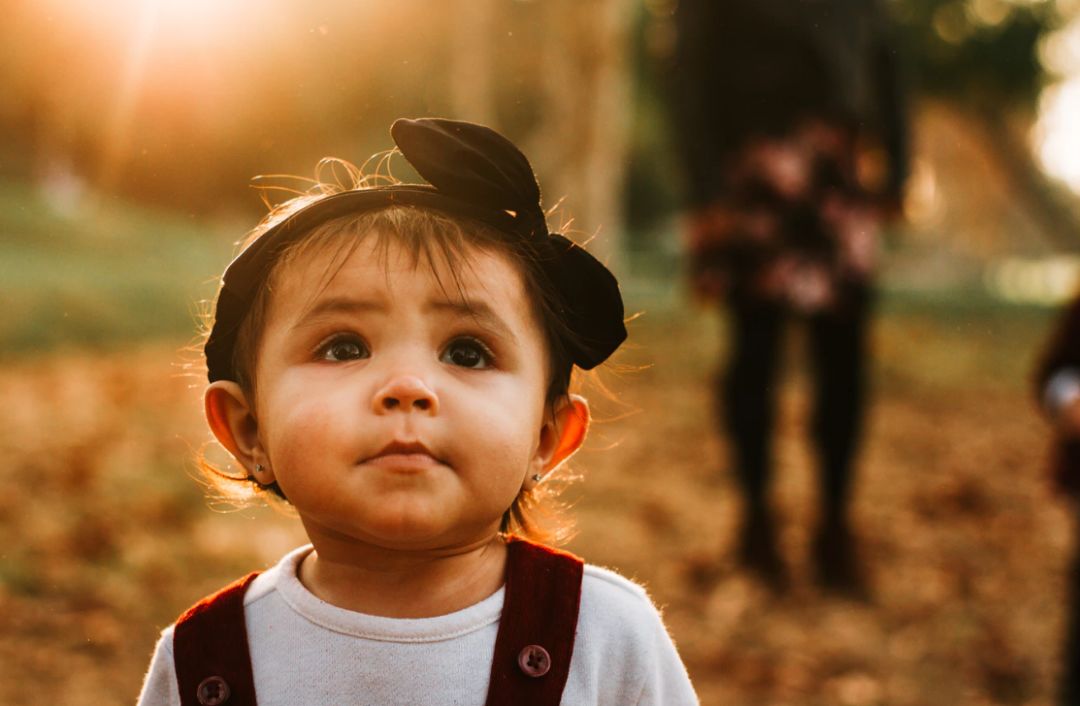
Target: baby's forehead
x: 377, y: 255
x: 379, y: 266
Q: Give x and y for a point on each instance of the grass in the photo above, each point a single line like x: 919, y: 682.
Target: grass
x: 108, y: 276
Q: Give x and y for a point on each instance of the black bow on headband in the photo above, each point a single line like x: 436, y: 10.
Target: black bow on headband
x: 472, y: 171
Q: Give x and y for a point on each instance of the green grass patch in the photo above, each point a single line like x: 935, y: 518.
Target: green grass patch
x: 108, y: 275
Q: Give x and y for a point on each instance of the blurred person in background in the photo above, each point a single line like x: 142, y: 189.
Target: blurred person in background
x: 789, y: 117
x: 1057, y: 387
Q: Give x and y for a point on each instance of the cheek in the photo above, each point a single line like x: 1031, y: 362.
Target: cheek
x: 502, y: 427
x: 306, y: 448
x: 298, y: 423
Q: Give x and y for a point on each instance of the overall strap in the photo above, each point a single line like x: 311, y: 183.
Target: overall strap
x: 536, y: 631
x: 210, y: 650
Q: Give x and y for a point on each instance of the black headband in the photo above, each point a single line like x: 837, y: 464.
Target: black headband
x: 472, y: 171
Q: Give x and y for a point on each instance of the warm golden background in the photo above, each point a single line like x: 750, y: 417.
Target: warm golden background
x: 129, y: 130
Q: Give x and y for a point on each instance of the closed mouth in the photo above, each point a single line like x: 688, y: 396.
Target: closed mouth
x: 409, y: 454
x: 403, y: 448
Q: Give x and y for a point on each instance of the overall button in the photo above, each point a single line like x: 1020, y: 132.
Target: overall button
x: 534, y: 660
x: 212, y: 691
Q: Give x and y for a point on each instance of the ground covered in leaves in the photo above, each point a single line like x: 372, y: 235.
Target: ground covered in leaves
x: 105, y: 537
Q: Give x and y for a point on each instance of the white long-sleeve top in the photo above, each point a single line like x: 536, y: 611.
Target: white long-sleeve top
x: 306, y: 651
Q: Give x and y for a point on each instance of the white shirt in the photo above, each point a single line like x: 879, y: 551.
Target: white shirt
x: 306, y: 651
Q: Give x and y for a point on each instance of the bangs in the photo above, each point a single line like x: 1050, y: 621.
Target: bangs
x: 429, y: 237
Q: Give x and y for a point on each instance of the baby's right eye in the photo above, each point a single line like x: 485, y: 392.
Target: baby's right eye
x: 342, y: 348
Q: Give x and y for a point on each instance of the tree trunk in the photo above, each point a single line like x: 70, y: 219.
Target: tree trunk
x: 581, y: 145
x: 1058, y: 221
x: 472, y: 96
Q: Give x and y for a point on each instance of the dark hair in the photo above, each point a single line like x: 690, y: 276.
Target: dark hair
x: 432, y: 237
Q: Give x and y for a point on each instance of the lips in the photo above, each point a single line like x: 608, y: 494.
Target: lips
x: 404, y: 456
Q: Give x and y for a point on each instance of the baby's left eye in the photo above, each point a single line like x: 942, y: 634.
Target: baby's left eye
x: 467, y: 353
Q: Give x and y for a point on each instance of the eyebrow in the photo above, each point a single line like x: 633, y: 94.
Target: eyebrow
x: 340, y: 305
x: 476, y: 310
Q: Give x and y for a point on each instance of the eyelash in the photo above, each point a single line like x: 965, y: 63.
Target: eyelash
x: 488, y: 357
x: 324, y: 350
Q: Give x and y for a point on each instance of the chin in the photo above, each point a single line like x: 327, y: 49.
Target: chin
x: 405, y: 533
x: 404, y: 530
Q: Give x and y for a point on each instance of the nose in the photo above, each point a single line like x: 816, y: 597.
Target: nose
x: 406, y: 393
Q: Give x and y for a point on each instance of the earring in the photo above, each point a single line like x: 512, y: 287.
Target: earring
x: 536, y: 477
x: 259, y: 468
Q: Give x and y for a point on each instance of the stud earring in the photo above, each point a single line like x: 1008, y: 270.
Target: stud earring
x: 259, y: 468
x: 536, y: 477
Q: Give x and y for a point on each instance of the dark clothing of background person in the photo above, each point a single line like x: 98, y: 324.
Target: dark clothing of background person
x: 1061, y: 358
x: 773, y: 101
x: 1057, y: 387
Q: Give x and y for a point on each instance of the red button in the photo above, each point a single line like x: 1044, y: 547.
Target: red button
x: 534, y: 660
x: 212, y: 691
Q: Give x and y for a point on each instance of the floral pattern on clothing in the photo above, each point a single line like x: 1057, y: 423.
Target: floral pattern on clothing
x: 793, y: 225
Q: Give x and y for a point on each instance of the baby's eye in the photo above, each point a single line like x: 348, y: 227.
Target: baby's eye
x: 343, y: 348
x: 467, y: 353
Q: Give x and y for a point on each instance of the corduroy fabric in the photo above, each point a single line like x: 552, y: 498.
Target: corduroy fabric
x: 543, y: 594
x: 211, y: 640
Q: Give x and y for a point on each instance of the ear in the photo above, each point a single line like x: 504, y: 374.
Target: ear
x: 561, y: 436
x: 232, y: 420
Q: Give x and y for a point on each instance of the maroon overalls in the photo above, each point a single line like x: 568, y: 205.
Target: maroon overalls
x: 532, y: 649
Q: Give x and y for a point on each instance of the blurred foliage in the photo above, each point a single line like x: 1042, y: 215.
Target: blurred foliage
x: 187, y: 115
x: 118, y: 273
x: 982, y: 54
x: 189, y: 122
x: 186, y: 105
x: 984, y: 51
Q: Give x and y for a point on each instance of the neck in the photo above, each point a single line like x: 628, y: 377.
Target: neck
x: 398, y: 583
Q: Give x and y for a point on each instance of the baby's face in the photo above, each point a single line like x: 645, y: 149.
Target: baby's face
x: 395, y: 410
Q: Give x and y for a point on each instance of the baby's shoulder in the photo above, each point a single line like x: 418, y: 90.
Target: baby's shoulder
x: 610, y: 585
x: 617, y: 605
x: 622, y: 643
